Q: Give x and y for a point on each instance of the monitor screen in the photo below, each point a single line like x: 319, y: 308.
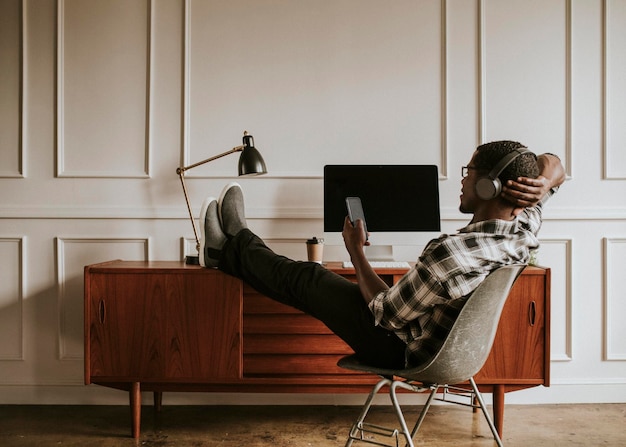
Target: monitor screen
x: 395, y: 198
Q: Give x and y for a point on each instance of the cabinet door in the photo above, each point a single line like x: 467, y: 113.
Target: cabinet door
x: 155, y: 327
x: 519, y: 351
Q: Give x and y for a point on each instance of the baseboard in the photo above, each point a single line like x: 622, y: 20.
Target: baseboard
x: 97, y: 395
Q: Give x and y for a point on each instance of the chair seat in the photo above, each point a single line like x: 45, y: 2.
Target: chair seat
x: 352, y: 362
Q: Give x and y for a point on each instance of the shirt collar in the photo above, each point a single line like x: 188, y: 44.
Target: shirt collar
x: 495, y: 226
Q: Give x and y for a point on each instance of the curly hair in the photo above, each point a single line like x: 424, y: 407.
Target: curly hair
x: 489, y: 154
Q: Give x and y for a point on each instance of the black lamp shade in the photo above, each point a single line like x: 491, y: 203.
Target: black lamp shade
x: 250, y: 161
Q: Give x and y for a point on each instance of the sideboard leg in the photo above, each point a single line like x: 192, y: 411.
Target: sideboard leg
x: 498, y: 408
x: 135, y: 408
x: 158, y: 400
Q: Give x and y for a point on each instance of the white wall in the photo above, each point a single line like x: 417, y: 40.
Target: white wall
x: 102, y: 100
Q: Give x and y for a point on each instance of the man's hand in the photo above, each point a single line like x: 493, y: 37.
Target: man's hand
x: 526, y: 191
x: 354, y: 236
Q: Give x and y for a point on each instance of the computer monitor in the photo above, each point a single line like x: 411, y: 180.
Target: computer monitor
x: 396, y: 198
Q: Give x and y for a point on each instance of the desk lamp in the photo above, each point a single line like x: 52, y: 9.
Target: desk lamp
x: 250, y: 163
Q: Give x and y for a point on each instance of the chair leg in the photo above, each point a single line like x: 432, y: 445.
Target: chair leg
x: 396, y: 405
x: 356, y: 428
x: 481, y: 402
x: 418, y: 424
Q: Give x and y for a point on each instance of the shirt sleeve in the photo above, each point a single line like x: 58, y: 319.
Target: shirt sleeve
x: 531, y: 218
x: 413, y: 295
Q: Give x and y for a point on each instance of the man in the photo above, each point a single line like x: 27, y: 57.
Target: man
x: 403, y: 325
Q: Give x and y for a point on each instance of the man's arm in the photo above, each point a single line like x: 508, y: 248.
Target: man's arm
x: 354, y: 239
x: 526, y: 191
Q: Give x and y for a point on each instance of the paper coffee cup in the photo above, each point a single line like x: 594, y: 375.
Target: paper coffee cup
x: 315, y: 249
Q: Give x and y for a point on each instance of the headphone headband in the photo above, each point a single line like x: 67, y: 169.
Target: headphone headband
x: 507, y: 160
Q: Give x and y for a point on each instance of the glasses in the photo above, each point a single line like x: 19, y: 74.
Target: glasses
x: 465, y: 170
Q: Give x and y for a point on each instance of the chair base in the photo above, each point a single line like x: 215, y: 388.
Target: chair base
x: 367, y: 433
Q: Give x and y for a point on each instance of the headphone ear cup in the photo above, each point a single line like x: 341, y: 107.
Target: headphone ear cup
x: 487, y: 188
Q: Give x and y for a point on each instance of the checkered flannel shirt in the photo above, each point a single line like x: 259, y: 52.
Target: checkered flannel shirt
x: 422, y: 307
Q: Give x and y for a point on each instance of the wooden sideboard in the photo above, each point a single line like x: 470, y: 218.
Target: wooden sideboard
x: 166, y: 326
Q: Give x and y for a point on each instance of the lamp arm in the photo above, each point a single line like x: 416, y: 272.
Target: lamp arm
x: 181, y: 173
x: 215, y: 157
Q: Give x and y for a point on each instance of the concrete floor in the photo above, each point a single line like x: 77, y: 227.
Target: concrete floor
x: 302, y: 426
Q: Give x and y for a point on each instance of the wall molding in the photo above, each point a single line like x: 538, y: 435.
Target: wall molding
x: 609, y: 173
x: 567, y: 354
x: 63, y: 278
x: 61, y: 171
x: 443, y: 149
x: 568, y: 162
x: 19, y: 242
x: 187, y: 247
x: 482, y: 76
x: 612, y: 265
x: 186, y: 123
x: 179, y: 212
x: 19, y: 172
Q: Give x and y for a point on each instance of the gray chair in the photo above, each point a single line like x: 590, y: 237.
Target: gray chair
x: 461, y: 356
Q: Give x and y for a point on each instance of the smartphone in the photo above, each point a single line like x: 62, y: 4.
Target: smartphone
x: 355, y: 211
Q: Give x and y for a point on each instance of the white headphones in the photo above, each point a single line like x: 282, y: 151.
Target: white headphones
x: 489, y: 187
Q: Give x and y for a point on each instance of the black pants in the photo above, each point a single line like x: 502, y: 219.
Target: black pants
x: 313, y: 289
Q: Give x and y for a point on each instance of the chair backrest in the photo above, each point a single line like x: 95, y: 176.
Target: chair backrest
x: 467, y: 346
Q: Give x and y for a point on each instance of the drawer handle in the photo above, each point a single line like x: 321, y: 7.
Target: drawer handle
x: 102, y: 312
x: 532, y: 313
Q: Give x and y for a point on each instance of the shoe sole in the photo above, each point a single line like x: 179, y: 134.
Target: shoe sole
x: 203, y: 210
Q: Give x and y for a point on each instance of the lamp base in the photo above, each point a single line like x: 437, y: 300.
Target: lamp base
x: 192, y: 260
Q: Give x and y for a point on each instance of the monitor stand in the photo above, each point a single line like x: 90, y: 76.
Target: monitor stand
x: 386, y: 250
x: 379, y: 252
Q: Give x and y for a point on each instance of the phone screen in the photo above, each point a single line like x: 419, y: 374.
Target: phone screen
x: 355, y: 211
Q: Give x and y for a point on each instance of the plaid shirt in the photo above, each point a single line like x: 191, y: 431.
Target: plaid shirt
x: 422, y: 307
